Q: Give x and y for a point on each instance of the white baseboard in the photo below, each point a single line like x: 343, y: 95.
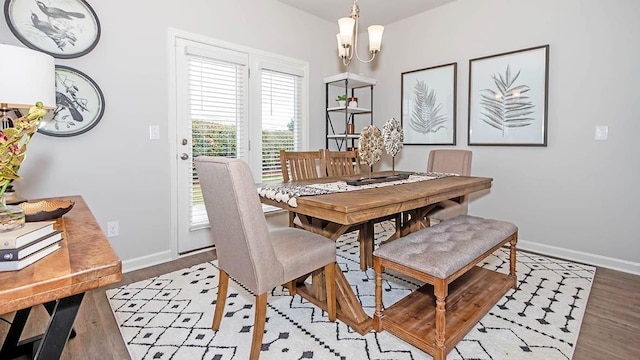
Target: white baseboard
x: 583, y: 257
x: 573, y: 255
x: 146, y: 261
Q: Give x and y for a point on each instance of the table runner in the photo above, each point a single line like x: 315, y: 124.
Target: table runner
x: 287, y: 193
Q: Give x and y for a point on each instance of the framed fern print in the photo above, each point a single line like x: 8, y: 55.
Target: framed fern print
x: 508, y: 96
x: 428, y: 114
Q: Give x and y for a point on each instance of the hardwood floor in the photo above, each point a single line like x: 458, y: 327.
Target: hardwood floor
x: 610, y: 329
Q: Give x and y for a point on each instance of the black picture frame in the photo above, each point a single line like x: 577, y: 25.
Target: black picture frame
x: 64, y: 29
x: 79, y: 104
x: 508, y: 98
x: 429, y: 102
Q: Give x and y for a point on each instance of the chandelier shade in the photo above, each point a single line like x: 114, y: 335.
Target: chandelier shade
x: 348, y: 37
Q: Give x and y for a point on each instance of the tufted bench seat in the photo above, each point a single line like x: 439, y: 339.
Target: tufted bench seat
x: 457, y: 294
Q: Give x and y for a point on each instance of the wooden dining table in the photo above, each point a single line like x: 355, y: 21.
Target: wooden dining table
x: 331, y: 215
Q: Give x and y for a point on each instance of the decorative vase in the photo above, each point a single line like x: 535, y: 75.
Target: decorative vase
x: 11, y: 216
x: 342, y: 103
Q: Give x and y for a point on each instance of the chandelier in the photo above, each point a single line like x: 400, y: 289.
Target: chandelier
x: 348, y: 37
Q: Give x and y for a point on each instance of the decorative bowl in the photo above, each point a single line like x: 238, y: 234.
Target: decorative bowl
x: 45, y: 209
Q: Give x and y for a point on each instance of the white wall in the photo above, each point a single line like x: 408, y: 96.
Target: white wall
x: 122, y: 174
x: 576, y: 197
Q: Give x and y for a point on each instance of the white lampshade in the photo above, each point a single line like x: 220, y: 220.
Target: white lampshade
x: 346, y: 29
x: 375, y: 37
x: 26, y: 77
x: 342, y: 52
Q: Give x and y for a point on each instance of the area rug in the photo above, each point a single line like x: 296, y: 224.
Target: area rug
x: 169, y: 316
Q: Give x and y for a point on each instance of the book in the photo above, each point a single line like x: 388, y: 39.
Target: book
x: 30, y: 232
x: 20, y: 264
x: 41, y: 243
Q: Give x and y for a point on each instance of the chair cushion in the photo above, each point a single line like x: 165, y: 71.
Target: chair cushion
x: 301, y: 252
x: 442, y: 249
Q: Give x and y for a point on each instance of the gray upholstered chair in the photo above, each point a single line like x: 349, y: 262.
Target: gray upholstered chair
x: 247, y: 251
x: 450, y: 161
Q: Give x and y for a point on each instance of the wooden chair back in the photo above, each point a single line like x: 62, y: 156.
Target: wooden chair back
x: 300, y: 165
x: 340, y: 163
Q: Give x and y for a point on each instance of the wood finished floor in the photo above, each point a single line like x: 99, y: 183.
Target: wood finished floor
x: 610, y: 329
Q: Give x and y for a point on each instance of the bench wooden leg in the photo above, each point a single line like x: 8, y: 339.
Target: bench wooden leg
x: 512, y: 259
x: 377, y: 315
x: 440, y: 290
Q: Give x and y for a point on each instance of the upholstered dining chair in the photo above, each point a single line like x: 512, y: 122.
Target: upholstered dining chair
x: 340, y: 163
x: 248, y: 251
x: 300, y: 165
x: 450, y: 161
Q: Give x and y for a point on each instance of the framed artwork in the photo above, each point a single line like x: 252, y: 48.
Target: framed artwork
x: 61, y: 28
x: 79, y: 104
x: 508, y: 96
x: 428, y: 114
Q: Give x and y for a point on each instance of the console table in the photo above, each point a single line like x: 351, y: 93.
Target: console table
x: 85, y: 262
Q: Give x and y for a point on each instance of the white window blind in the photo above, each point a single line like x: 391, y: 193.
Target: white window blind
x: 281, y: 119
x: 216, y: 103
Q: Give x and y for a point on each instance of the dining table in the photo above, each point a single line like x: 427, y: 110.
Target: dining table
x: 334, y: 213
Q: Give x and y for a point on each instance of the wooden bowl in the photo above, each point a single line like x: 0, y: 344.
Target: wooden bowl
x: 45, y: 209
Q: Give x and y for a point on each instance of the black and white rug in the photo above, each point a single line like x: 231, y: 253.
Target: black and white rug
x: 169, y: 316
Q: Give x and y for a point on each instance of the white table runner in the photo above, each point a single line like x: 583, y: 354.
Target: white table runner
x: 287, y: 193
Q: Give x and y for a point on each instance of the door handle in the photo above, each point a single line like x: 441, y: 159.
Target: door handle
x: 184, y: 156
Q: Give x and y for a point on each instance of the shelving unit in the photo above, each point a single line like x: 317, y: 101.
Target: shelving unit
x: 339, y: 117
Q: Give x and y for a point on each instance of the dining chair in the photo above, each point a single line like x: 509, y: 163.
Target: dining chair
x: 449, y: 161
x: 247, y: 251
x: 300, y: 165
x: 340, y: 163
x: 346, y: 163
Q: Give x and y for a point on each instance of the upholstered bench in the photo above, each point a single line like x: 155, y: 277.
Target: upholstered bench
x: 458, y: 294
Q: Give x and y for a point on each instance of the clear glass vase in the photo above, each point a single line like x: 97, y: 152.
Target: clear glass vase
x: 11, y: 216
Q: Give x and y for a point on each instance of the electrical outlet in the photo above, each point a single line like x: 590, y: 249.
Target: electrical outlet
x: 154, y: 132
x: 113, y: 229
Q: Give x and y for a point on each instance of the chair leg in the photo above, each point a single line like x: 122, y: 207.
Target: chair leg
x: 258, y: 326
x: 330, y: 279
x: 223, y: 285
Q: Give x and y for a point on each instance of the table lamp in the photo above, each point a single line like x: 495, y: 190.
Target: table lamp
x: 26, y: 77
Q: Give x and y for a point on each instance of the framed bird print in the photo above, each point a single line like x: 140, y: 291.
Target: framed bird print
x: 79, y: 104
x: 64, y: 29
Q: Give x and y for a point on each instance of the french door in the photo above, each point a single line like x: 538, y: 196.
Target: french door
x: 214, y: 99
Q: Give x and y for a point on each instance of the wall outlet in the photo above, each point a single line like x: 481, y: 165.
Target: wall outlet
x: 601, y: 133
x: 113, y: 229
x: 154, y: 132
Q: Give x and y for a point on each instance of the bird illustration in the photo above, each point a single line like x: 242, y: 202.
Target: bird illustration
x: 57, y: 35
x: 57, y: 13
x: 64, y: 102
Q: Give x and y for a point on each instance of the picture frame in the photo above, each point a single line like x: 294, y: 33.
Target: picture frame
x: 508, y: 98
x: 79, y: 104
x: 64, y: 29
x: 428, y: 98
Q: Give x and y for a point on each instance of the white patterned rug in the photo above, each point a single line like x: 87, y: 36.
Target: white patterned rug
x: 169, y: 316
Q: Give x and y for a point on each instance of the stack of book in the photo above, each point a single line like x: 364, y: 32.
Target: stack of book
x: 22, y: 247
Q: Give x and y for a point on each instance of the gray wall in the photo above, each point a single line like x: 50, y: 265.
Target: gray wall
x: 577, y: 197
x: 122, y: 174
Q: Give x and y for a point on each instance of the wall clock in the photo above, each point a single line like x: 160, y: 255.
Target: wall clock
x: 61, y: 28
x: 79, y: 104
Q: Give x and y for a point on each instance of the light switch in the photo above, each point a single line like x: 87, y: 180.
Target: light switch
x: 154, y: 132
x: 601, y: 132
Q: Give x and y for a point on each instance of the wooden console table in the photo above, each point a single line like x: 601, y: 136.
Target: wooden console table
x: 86, y: 261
